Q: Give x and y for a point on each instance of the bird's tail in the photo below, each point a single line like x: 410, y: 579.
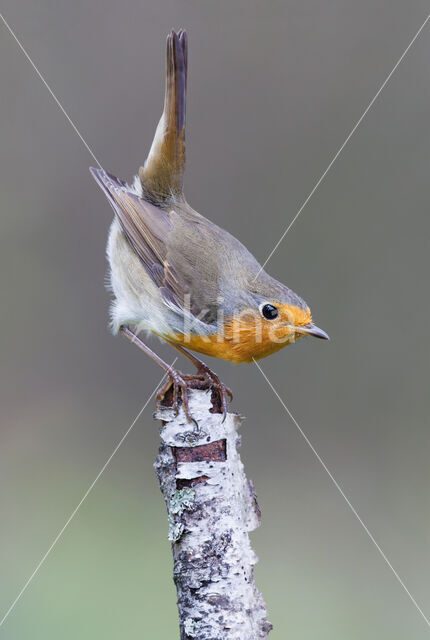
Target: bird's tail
x: 162, y: 174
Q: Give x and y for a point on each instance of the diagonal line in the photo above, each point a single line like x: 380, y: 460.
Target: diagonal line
x: 15, y: 37
x: 344, y: 496
x: 80, y: 503
x: 351, y: 133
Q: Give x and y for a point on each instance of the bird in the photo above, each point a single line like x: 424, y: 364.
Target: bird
x: 175, y: 274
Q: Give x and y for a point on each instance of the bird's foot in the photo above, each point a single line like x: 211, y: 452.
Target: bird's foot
x: 176, y: 389
x: 178, y: 383
x: 221, y: 394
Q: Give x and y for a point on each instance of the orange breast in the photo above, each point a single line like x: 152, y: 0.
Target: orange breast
x: 213, y: 345
x: 248, y: 336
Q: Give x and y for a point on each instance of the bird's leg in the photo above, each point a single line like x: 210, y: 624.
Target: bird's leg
x: 177, y: 379
x: 213, y: 380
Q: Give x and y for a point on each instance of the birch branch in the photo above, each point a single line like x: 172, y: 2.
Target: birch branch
x: 211, y: 507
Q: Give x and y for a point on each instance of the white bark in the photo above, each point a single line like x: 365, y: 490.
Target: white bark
x: 211, y: 507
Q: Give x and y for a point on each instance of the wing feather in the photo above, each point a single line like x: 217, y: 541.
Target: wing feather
x: 146, y: 228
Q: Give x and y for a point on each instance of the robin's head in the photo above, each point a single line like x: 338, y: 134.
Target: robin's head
x: 271, y: 317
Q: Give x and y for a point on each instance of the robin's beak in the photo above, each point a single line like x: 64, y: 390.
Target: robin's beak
x: 312, y: 330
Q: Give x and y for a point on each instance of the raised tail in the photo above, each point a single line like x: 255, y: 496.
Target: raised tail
x: 162, y: 174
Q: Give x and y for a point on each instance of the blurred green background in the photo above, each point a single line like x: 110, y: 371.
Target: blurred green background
x: 274, y: 89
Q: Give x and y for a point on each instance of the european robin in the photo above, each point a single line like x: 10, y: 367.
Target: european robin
x: 175, y: 274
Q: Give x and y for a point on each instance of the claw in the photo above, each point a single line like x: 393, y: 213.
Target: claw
x: 179, y: 382
x: 214, y: 381
x: 183, y: 382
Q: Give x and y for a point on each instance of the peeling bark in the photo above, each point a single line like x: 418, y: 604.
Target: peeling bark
x: 211, y: 507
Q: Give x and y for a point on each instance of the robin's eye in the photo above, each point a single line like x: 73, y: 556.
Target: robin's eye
x: 269, y: 311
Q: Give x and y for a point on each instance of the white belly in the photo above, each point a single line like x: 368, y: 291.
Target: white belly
x: 137, y: 301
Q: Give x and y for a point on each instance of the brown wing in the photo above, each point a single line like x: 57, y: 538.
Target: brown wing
x: 162, y: 173
x: 147, y: 229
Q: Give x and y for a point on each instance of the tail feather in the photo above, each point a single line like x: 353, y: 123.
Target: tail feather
x: 162, y: 174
